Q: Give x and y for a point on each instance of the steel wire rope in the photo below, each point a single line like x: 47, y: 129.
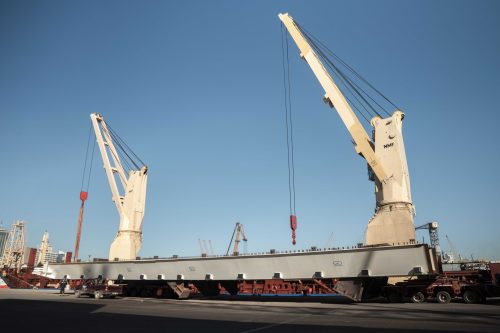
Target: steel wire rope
x: 91, y: 164
x: 354, y: 86
x: 86, y: 158
x: 291, y: 123
x: 342, y: 79
x: 350, y: 89
x: 118, y: 143
x: 119, y: 155
x: 351, y: 69
x: 288, y: 120
x: 122, y: 155
x: 346, y: 81
x: 351, y: 103
x: 360, y: 90
x: 128, y: 148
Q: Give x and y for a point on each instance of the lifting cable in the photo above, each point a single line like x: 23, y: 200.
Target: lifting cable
x: 125, y: 153
x: 352, y: 70
x: 84, y: 194
x: 355, y: 91
x: 289, y: 131
x: 354, y: 86
x: 85, y: 176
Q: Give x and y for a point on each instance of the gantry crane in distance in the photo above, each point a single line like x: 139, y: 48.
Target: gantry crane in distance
x: 433, y: 234
x: 128, y: 194
x: 238, y: 236
x: 392, y: 222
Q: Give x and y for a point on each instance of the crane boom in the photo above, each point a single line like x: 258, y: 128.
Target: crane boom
x: 335, y: 98
x: 131, y: 204
x: 392, y: 222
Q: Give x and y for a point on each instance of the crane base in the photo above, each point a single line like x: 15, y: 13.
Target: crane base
x: 125, y: 246
x: 391, y: 225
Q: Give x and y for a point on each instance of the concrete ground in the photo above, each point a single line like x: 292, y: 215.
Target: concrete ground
x: 46, y: 311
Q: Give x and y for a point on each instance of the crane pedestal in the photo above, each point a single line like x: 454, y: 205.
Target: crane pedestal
x: 126, y: 245
x: 392, y: 224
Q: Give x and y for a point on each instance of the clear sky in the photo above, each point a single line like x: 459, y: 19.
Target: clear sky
x: 195, y: 88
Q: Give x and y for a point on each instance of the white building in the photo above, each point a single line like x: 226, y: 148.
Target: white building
x: 4, y: 234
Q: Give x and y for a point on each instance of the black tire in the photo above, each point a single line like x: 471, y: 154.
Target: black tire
x: 417, y: 297
x: 443, y: 297
x: 471, y: 297
x: 394, y: 297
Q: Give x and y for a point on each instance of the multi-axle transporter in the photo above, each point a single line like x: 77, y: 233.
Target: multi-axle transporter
x: 472, y: 286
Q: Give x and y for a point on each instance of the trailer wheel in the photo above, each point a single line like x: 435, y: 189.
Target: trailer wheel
x: 98, y: 295
x: 471, y: 297
x: 417, y: 297
x: 443, y: 297
x: 78, y: 293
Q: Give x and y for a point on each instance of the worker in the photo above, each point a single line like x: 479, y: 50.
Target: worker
x: 63, y: 284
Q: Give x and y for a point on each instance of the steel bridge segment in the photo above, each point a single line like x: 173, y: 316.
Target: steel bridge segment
x: 373, y: 262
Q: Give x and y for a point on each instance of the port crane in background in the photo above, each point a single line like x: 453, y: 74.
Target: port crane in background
x: 12, y: 257
x: 128, y: 194
x: 44, y: 248
x: 452, y: 256
x: 204, y: 248
x: 433, y: 234
x: 238, y: 236
x: 329, y: 242
x: 392, y: 222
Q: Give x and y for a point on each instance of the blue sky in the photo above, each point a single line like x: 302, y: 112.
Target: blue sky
x: 195, y: 88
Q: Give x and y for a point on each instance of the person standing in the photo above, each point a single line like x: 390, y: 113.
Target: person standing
x: 63, y: 284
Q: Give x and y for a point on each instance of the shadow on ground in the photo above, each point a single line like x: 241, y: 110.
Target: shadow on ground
x: 317, y: 299
x: 50, y: 316
x: 281, y: 299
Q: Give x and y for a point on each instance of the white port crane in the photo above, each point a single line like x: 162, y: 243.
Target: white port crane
x: 14, y: 247
x: 238, y: 236
x: 392, y: 222
x: 129, y: 194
